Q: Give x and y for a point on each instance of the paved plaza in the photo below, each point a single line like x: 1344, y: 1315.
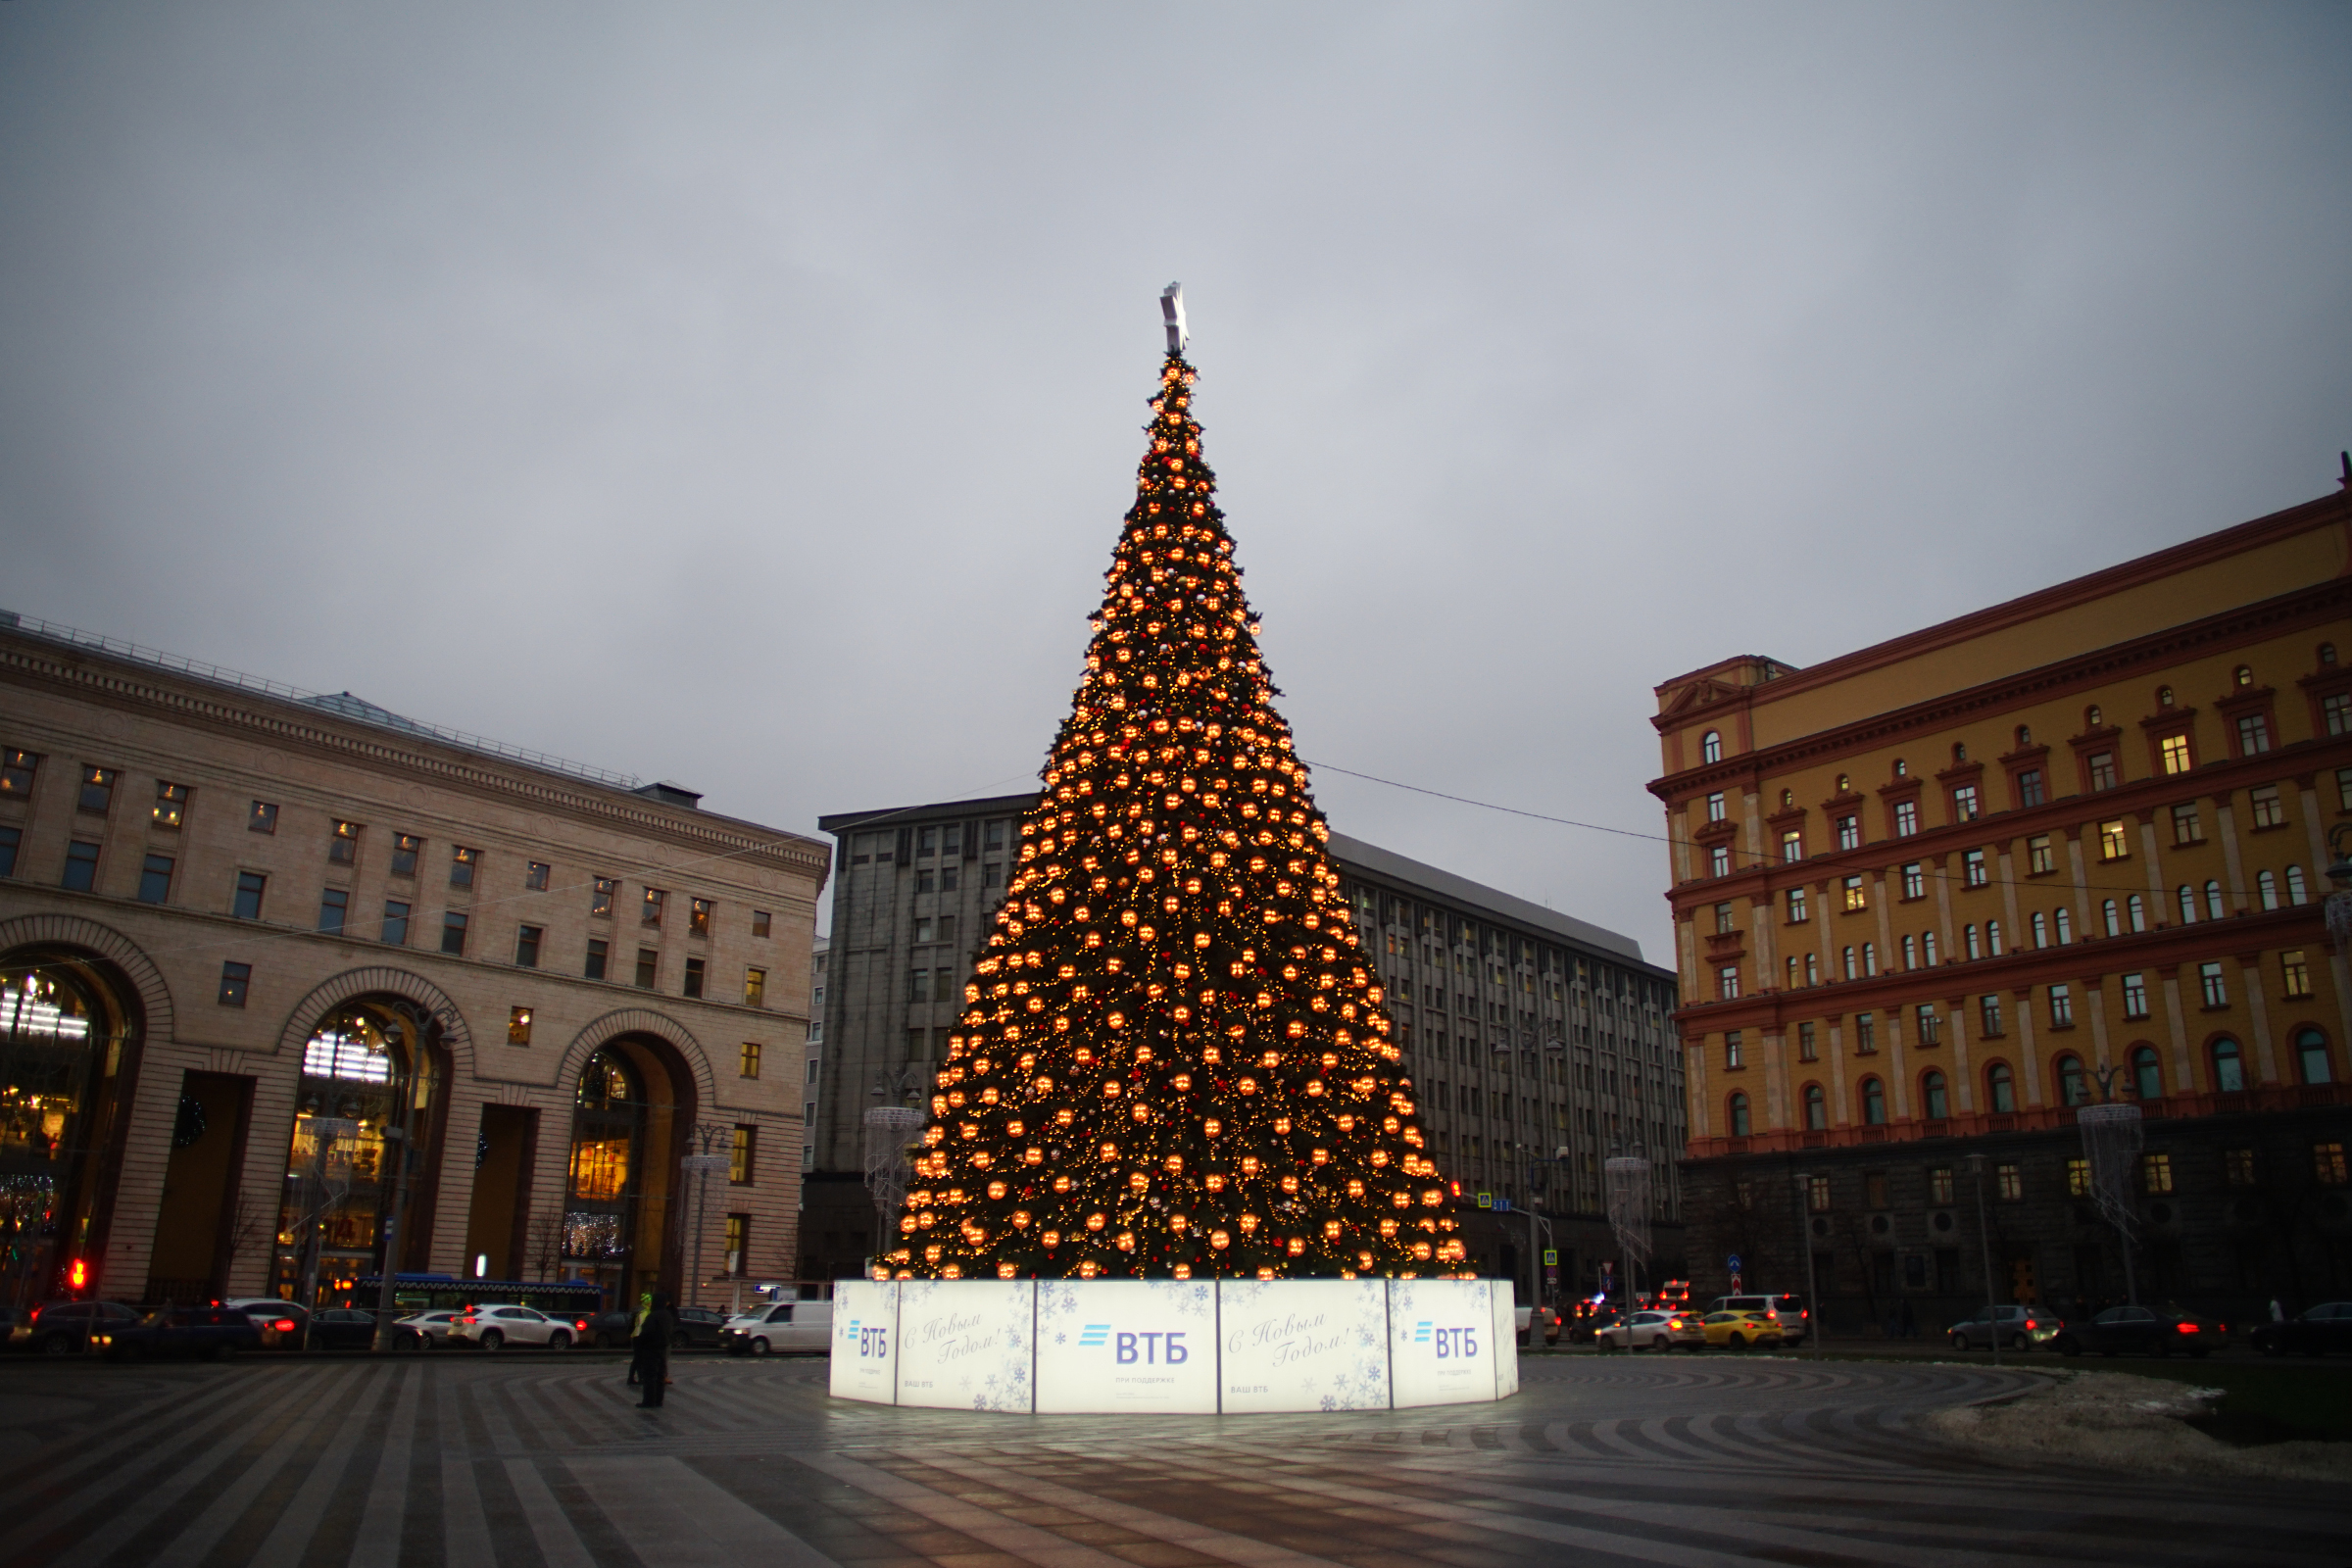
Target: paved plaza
x: 545, y: 1459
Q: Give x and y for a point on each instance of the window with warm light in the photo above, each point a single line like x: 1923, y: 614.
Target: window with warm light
x: 518, y: 1026
x: 2295, y: 974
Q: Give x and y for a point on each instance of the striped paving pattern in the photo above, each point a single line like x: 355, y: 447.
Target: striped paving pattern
x: 523, y: 1460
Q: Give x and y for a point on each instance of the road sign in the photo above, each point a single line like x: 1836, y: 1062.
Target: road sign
x: 1732, y: 1262
x: 1551, y: 1258
x: 1503, y: 1205
x: 1486, y: 1200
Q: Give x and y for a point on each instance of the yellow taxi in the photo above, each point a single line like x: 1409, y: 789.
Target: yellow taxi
x: 1742, y: 1330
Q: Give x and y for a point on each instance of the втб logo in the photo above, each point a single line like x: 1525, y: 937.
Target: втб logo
x: 1152, y: 1347
x: 1453, y: 1344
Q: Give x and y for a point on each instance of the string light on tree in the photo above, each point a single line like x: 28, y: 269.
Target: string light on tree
x: 1173, y: 1059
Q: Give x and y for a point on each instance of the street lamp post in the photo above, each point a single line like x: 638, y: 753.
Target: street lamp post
x: 701, y: 1164
x: 1804, y: 1189
x: 1993, y: 1324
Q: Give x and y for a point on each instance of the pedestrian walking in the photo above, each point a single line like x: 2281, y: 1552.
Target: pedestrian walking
x: 649, y: 1361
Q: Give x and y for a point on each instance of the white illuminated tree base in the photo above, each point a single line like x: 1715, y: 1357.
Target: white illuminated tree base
x: 1184, y: 1347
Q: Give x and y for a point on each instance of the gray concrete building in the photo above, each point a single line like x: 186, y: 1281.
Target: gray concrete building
x: 1539, y: 1043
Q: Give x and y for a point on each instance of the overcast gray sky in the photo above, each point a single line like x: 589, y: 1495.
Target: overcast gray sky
x: 747, y: 395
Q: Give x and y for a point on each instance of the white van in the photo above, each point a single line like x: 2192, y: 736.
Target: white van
x: 783, y: 1326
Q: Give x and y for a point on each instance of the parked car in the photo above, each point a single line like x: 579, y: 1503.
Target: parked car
x: 2018, y: 1328
x: 210, y: 1332
x: 1743, y: 1330
x: 1590, y: 1320
x: 343, y: 1328
x: 2142, y: 1331
x: 700, y: 1328
x: 784, y: 1325
x: 1788, y: 1309
x: 1654, y: 1331
x: 64, y: 1328
x: 281, y: 1322
x: 495, y: 1327
x: 2314, y: 1331
x: 423, y: 1331
x: 610, y: 1331
x: 1532, y: 1320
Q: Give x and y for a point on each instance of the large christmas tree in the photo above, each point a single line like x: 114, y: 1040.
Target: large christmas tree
x: 1173, y: 1061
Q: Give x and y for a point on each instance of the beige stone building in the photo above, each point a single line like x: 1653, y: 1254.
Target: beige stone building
x: 255, y: 940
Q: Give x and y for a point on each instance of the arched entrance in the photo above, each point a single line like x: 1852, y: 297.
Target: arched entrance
x: 631, y: 1112
x: 68, y: 1038
x: 372, y: 1075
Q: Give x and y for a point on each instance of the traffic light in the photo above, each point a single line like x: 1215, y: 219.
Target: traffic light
x: 79, y: 1276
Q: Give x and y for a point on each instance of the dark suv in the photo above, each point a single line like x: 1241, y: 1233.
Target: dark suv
x: 64, y: 1328
x: 699, y: 1328
x: 210, y: 1332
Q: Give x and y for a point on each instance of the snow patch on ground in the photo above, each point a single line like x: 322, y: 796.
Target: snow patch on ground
x: 2134, y: 1423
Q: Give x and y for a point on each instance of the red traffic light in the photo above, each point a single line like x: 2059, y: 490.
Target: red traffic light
x: 79, y: 1276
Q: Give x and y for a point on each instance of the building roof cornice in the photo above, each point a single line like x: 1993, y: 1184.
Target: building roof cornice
x: 113, y: 681
x: 2328, y: 511
x: 2311, y: 605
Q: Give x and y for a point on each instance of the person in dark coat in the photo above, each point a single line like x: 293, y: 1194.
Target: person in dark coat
x: 649, y: 1361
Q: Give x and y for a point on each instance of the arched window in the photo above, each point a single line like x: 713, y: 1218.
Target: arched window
x: 2042, y: 929
x: 2229, y: 1067
x: 2066, y: 926
x: 2327, y: 654
x: 2093, y: 719
x: 1848, y: 958
x: 1932, y: 1096
x: 1817, y: 1108
x: 1993, y: 937
x: 2025, y: 736
x: 1902, y: 767
x: 2311, y: 1052
x: 2213, y: 909
x: 1874, y: 1103
x: 1870, y: 958
x: 2147, y: 1079
x: 1738, y: 1111
x: 1999, y: 1089
x: 1959, y: 753
x: 1968, y: 942
x: 1910, y: 953
x: 2188, y: 904
x: 2297, y: 892
x: 1710, y: 747
x: 2245, y: 674
x: 2074, y: 1084
x: 2137, y: 907
x: 1927, y: 945
x: 2266, y: 888
x: 2115, y: 923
